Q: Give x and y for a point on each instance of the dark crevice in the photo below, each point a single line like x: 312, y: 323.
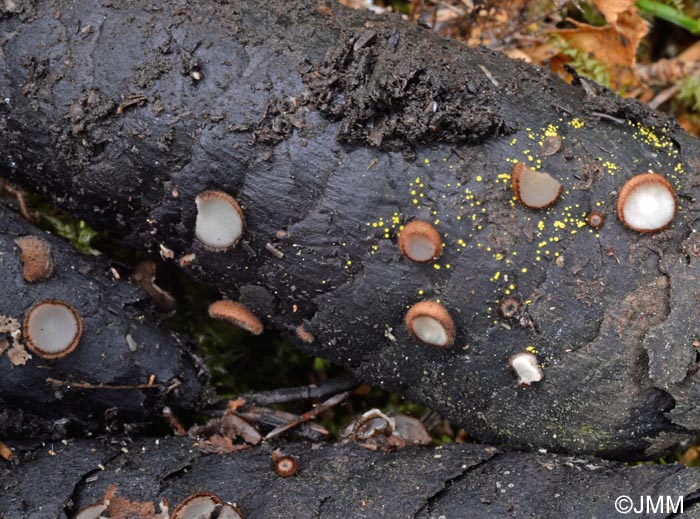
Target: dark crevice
x: 435, y: 498
x: 70, y: 507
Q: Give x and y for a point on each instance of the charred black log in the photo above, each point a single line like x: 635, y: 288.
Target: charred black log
x: 332, y: 129
x: 123, y: 369
x: 337, y: 481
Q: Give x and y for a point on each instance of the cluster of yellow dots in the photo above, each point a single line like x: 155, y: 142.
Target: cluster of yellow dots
x: 576, y: 123
x: 551, y: 229
x: 610, y: 167
x: 663, y: 145
x: 392, y: 224
x: 650, y: 137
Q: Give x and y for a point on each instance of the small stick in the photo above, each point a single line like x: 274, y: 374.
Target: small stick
x: 21, y: 201
x: 311, y: 392
x: 174, y: 422
x: 607, y: 117
x: 309, y: 415
x: 85, y: 385
x: 274, y: 250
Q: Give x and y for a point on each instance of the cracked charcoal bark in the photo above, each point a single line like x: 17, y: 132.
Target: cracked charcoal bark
x: 320, y: 126
x: 31, y: 406
x: 343, y: 481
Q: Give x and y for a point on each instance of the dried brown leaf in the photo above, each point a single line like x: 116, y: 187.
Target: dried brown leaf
x: 122, y: 508
x: 17, y: 354
x: 612, y: 9
x: 218, y: 444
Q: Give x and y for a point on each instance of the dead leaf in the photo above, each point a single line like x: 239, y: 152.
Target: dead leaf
x: 9, y: 324
x: 612, y: 9
x: 613, y: 47
x: 122, y: 508
x: 17, y: 354
x: 228, y: 426
x: 610, y: 48
x: 235, y: 405
x: 218, y: 444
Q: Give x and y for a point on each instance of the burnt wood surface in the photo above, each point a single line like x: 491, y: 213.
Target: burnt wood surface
x: 337, y: 481
x: 334, y: 127
x: 122, y: 345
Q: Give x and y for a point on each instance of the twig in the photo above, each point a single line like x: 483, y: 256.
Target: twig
x: 274, y: 250
x: 664, y: 96
x: 309, y: 415
x: 274, y: 417
x: 85, y: 385
x: 19, y: 195
x: 291, y: 394
x: 174, y: 422
x: 607, y: 117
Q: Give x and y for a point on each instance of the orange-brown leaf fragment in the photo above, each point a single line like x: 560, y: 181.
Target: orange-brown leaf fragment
x: 17, y: 354
x: 218, y: 444
x: 122, y: 508
x: 37, y: 263
x: 613, y: 46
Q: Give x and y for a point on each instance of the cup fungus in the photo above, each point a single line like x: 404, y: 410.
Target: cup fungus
x: 508, y: 307
x: 228, y: 511
x: 595, y: 220
x: 647, y: 203
x: 535, y: 189
x: 37, y: 263
x: 430, y: 323
x: 236, y: 314
x: 197, y: 506
x: 419, y: 241
x: 220, y: 221
x: 52, y: 328
x: 526, y: 368
x: 93, y: 511
x: 285, y: 465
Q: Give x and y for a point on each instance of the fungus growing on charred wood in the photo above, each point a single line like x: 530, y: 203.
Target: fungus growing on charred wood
x: 508, y: 307
x: 93, y: 511
x: 52, y: 328
x: 429, y: 322
x: 419, y: 241
x: 144, y: 275
x: 647, y: 203
x: 37, y: 263
x: 595, y: 219
x: 285, y: 465
x: 525, y: 366
x: 197, y: 506
x: 220, y: 221
x: 535, y: 189
x: 236, y: 314
x: 228, y: 511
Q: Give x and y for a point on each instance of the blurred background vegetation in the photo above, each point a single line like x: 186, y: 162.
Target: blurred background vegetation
x: 645, y: 49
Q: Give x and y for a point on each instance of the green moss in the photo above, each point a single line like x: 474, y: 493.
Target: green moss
x: 584, y: 63
x: 689, y: 92
x: 76, y: 231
